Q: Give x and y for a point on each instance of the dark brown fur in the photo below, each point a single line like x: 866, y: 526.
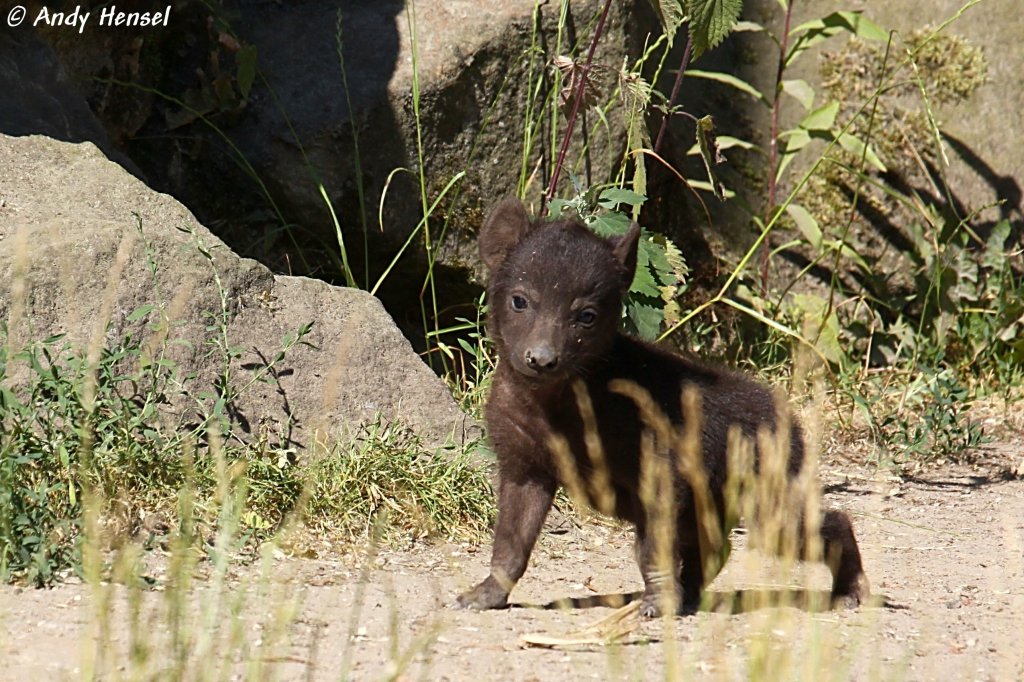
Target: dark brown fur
x: 556, y: 298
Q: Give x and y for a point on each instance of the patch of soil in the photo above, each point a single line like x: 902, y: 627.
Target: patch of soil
x: 943, y: 551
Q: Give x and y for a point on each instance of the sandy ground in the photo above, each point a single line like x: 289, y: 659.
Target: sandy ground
x: 944, y: 552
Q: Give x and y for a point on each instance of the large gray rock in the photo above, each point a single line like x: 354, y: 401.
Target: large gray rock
x: 472, y: 72
x: 73, y: 260
x: 984, y: 170
x: 295, y: 127
x: 38, y: 97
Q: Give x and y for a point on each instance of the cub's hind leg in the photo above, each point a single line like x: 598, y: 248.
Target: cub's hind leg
x: 850, y: 587
x: 839, y: 551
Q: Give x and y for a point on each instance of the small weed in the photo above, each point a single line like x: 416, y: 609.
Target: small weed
x: 386, y: 478
x: 934, y: 424
x: 473, y: 360
x: 73, y: 431
x: 75, y: 428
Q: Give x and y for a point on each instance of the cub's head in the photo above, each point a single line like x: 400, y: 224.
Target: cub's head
x: 555, y: 291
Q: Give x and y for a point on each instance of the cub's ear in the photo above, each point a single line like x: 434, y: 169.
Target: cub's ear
x: 505, y: 227
x: 624, y: 249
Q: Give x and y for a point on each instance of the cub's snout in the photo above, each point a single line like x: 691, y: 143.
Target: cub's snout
x: 541, y: 358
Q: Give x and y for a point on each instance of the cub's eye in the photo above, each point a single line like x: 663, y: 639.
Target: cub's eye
x: 586, y: 317
x: 518, y: 302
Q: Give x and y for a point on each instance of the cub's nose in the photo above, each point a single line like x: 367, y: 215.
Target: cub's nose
x: 541, y: 358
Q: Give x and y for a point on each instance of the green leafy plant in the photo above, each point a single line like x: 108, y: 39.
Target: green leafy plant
x: 934, y: 426
x: 708, y: 22
x: 78, y: 431
x: 661, y: 271
x: 76, y: 427
x: 955, y: 309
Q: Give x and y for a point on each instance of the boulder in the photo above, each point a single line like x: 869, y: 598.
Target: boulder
x: 84, y: 246
x: 984, y: 173
x: 296, y: 126
x: 40, y: 98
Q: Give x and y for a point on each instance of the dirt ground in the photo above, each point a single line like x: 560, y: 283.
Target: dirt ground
x: 944, y: 551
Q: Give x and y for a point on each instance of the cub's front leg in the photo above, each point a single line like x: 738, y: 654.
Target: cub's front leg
x: 523, y: 503
x: 662, y: 589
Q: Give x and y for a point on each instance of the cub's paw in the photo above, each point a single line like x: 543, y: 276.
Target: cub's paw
x: 486, y: 595
x: 653, y: 606
x: 855, y: 594
x: 650, y: 606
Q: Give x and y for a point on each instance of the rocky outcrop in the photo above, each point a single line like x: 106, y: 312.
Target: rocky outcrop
x: 984, y: 172
x: 37, y: 96
x: 85, y: 248
x: 296, y: 124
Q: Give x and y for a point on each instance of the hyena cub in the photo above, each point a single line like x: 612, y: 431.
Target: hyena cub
x: 555, y: 294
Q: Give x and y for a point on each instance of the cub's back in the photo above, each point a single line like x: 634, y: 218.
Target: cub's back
x: 726, y: 398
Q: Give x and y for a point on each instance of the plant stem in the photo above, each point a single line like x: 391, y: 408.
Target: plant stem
x: 675, y: 90
x: 356, y: 157
x: 834, y: 283
x: 773, y: 139
x: 581, y: 85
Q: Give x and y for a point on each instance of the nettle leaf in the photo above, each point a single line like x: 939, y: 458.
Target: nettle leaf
x: 674, y: 258
x: 806, y: 223
x: 710, y: 153
x: 640, y: 173
x: 801, y: 91
x: 659, y: 263
x: 643, y: 281
x: 610, y: 224
x: 577, y: 78
x: 711, y: 21
x: 644, y: 318
x: 612, y: 197
x: 634, y: 90
x: 672, y: 15
x: 672, y: 311
x: 636, y: 96
x: 556, y: 207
